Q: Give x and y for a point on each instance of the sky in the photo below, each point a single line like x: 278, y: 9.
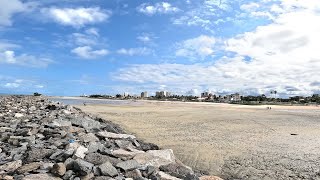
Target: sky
x: 75, y: 47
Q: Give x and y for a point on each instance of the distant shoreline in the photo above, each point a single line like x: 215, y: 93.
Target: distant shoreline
x: 145, y: 102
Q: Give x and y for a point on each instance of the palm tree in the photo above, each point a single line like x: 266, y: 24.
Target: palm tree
x: 275, y: 93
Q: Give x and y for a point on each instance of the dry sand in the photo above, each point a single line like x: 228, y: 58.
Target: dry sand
x: 232, y: 141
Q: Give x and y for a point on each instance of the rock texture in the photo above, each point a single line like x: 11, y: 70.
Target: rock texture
x: 40, y: 139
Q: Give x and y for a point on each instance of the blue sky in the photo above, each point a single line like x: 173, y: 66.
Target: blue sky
x: 64, y: 47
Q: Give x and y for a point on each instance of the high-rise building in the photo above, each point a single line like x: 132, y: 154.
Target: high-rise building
x: 125, y: 94
x: 144, y: 94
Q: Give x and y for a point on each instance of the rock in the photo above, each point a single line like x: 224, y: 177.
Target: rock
x: 72, y: 145
x: 46, y: 166
x: 128, y: 165
x: 61, y: 123
x: 32, y: 108
x: 40, y: 177
x: 103, y: 178
x: 69, y: 163
x: 28, y: 167
x: 108, y: 169
x: 134, y: 174
x: 37, y: 154
x: 150, y: 170
x: 147, y: 146
x: 156, y: 158
x: 59, y: 169
x: 18, y: 115
x: 177, y: 170
x: 164, y: 176
x: 210, y: 178
x: 87, y: 177
x: 11, y: 166
x: 123, y: 154
x: 80, y: 152
x: 96, y: 171
x: 97, y: 159
x: 56, y: 154
x: 67, y: 175
x: 123, y: 143
x: 114, y: 135
x: 86, y: 123
x: 95, y: 146
x: 6, y: 177
x: 83, y: 167
x: 66, y: 112
x: 90, y: 137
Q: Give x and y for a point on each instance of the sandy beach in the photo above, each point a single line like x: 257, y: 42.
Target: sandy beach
x: 231, y: 141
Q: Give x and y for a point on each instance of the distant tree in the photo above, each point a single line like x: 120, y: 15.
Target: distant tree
x: 36, y: 94
x: 118, y: 96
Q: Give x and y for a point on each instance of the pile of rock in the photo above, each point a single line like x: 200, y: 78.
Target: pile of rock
x: 40, y: 139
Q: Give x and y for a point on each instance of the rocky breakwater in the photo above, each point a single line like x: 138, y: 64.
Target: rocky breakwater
x: 40, y: 139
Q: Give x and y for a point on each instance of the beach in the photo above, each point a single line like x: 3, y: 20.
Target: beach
x: 231, y: 141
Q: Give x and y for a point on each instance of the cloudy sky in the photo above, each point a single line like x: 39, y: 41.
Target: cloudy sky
x: 66, y: 47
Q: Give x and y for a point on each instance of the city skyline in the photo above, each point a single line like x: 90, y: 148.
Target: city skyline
x: 65, y: 47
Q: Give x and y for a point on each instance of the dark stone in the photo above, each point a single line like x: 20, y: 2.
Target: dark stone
x: 37, y: 154
x: 147, y: 146
x: 97, y: 158
x: 67, y: 175
x: 69, y: 163
x: 82, y: 167
x: 51, y: 107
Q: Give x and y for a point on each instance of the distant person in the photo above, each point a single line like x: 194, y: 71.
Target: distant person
x: 84, y: 103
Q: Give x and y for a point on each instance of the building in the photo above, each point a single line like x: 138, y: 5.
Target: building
x: 233, y: 97
x: 163, y: 94
x: 144, y: 94
x: 205, y: 94
x: 125, y: 94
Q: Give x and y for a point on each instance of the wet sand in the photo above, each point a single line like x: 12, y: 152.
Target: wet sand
x: 232, y: 141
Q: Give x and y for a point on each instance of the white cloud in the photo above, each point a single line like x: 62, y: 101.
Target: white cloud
x: 7, y: 45
x: 17, y: 84
x: 161, y: 8
x: 92, y: 31
x: 135, y: 51
x: 84, y: 39
x: 8, y: 9
x: 250, y: 6
x: 77, y: 17
x: 9, y: 57
x: 201, y: 46
x: 144, y: 38
x: 206, y: 14
x: 12, y: 85
x: 88, y: 53
x: 283, y: 55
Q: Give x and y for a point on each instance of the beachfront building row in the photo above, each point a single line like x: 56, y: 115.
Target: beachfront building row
x: 207, y: 96
x: 163, y: 94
